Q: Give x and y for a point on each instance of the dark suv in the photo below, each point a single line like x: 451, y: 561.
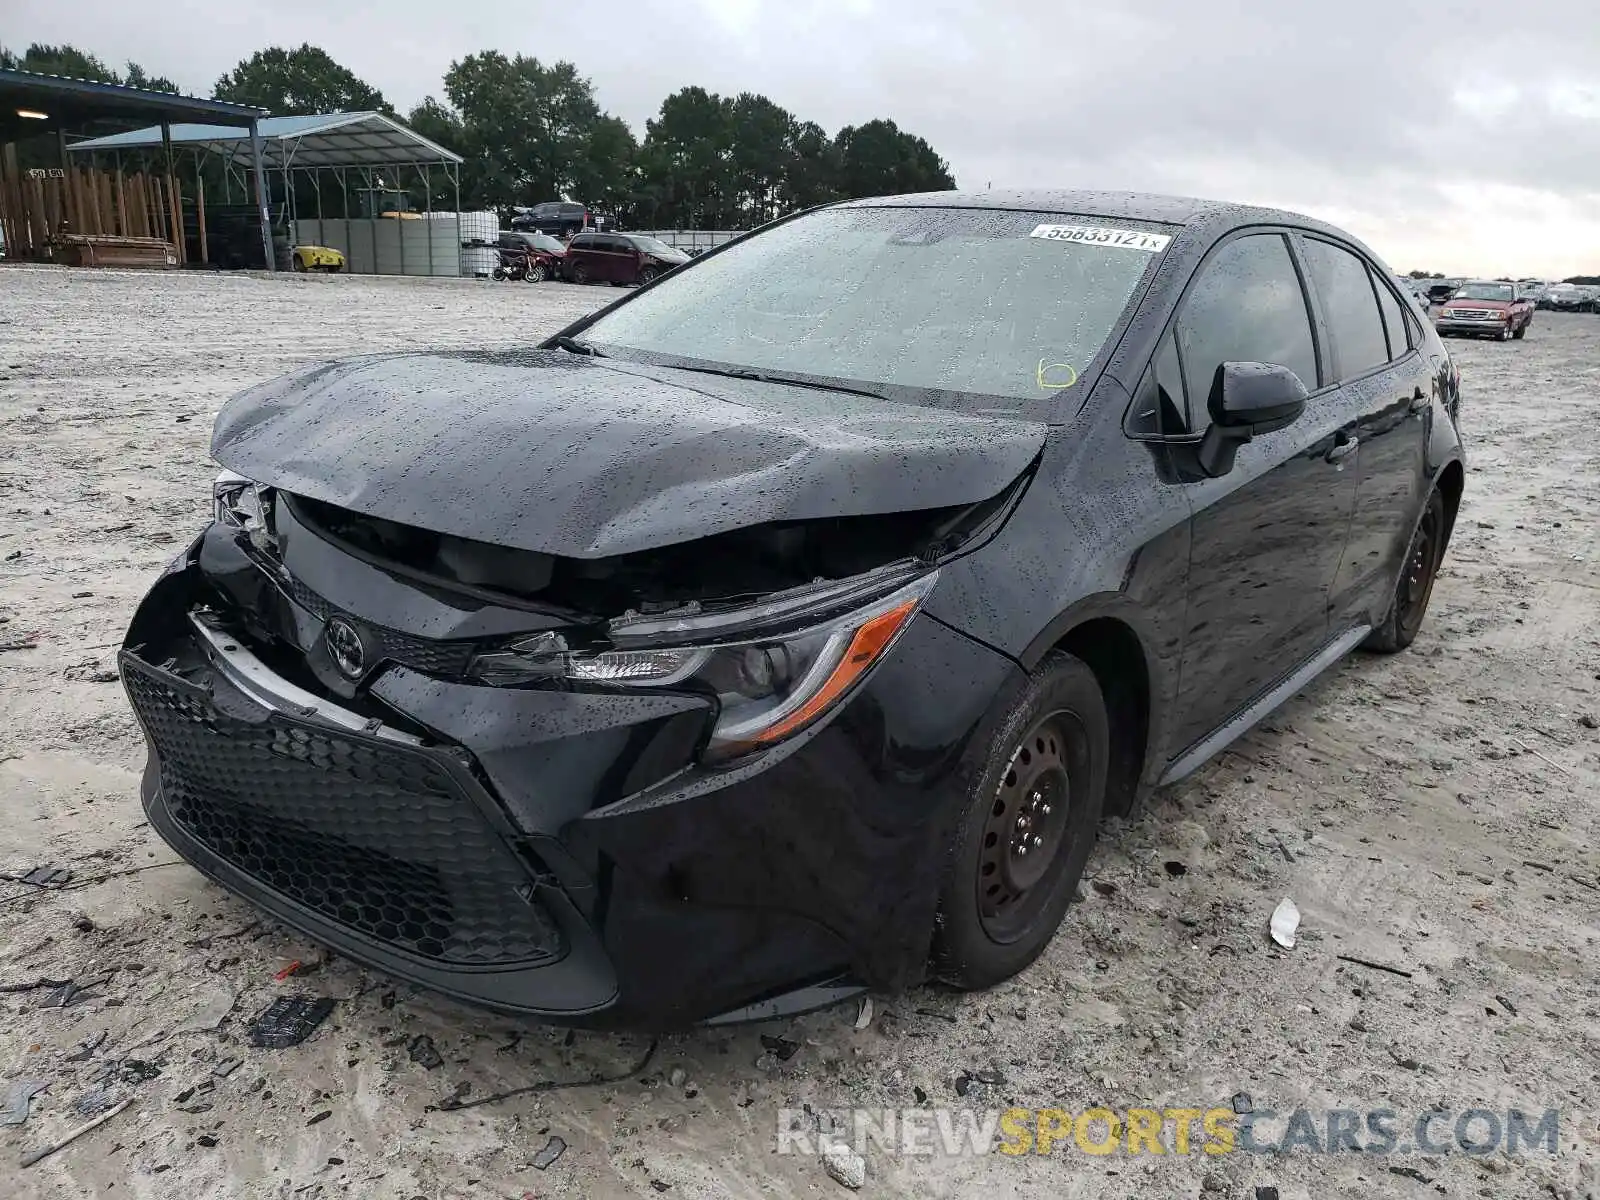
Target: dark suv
x: 786, y: 629
x: 619, y: 258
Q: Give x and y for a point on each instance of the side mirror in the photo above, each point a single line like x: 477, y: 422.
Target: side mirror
x: 1247, y: 399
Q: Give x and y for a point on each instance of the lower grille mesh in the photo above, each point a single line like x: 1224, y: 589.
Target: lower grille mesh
x: 379, y: 838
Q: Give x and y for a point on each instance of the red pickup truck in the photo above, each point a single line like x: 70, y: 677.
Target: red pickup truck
x: 1487, y: 307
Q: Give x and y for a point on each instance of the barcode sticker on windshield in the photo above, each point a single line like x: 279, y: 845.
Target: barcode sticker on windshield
x: 1099, y: 235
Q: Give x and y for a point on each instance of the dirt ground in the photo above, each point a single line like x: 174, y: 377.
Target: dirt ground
x: 1435, y: 812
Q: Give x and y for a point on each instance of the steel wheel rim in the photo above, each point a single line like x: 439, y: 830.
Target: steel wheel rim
x: 1417, y: 581
x: 1025, y: 830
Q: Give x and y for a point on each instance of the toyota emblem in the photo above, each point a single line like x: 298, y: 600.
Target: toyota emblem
x: 345, y: 648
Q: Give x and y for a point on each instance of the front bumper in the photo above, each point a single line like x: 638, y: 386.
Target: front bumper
x: 1487, y: 328
x: 556, y: 854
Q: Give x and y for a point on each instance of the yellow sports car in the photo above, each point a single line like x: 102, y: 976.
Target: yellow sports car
x: 317, y: 258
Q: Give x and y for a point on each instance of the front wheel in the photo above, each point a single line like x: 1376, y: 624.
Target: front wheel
x: 1522, y: 330
x: 1414, y: 588
x: 536, y: 273
x: 1029, y: 825
x: 648, y: 275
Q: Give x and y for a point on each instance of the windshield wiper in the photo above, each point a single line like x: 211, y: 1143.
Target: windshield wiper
x: 762, y: 377
x: 574, y: 346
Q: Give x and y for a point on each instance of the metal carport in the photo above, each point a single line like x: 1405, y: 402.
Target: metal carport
x: 299, y: 149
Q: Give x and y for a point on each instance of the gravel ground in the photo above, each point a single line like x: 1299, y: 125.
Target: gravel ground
x: 1434, y: 812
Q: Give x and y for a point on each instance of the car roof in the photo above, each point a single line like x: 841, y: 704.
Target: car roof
x: 1137, y: 206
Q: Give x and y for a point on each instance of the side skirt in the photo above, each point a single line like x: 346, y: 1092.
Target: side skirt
x: 1251, y: 715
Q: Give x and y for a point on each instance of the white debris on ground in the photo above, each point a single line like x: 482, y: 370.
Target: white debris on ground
x: 1434, y: 816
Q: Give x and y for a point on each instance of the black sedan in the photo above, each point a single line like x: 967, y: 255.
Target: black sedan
x: 788, y: 627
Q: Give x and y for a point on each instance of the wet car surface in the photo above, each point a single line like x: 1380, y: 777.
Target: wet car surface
x: 673, y: 672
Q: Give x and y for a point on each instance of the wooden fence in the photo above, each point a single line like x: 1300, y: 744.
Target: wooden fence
x: 41, y: 208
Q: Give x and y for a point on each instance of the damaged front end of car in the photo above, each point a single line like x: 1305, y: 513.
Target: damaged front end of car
x: 707, y: 780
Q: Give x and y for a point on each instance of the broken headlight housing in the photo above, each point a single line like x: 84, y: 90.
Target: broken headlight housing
x: 768, y: 685
x: 245, y: 505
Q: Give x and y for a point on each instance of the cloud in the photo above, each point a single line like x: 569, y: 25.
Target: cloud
x: 1452, y: 138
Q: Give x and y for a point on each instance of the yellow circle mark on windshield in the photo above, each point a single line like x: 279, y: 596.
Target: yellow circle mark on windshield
x: 1045, y: 367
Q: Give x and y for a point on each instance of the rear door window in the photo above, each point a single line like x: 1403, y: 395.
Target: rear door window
x: 1394, y: 321
x: 1349, y: 306
x: 1246, y: 305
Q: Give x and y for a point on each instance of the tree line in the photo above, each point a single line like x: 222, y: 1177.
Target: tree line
x: 530, y: 131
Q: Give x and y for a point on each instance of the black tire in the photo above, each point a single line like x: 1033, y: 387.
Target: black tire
x: 997, y: 912
x: 648, y: 275
x: 498, y: 273
x: 536, y: 273
x: 299, y: 264
x: 579, y: 274
x: 1522, y: 330
x: 1414, y: 588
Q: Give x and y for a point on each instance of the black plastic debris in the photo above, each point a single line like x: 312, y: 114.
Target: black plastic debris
x: 41, y: 877
x: 37, y: 983
x: 553, y: 1149
x: 1175, y: 868
x: 1242, y: 1102
x: 387, y: 1000
x: 1411, y: 1173
x: 86, y: 1049
x: 424, y: 1054
x: 134, y: 1070
x: 65, y: 995
x: 320, y: 1117
x: 782, y: 1048
x: 14, y: 1103
x: 288, y: 1021
x: 226, y: 1067
x: 1266, y: 1193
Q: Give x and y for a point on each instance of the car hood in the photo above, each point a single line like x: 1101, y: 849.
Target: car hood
x: 1491, y: 305
x: 569, y: 455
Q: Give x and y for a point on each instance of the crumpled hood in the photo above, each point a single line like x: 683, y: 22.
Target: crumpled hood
x: 569, y: 455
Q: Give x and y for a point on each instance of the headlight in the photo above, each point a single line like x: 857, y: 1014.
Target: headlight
x: 766, y: 688
x: 243, y: 504
x: 1447, y: 312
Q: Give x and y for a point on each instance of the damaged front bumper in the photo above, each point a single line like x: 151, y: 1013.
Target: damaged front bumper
x: 553, y: 851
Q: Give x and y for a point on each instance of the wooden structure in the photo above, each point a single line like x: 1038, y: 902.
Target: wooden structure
x: 53, y: 208
x: 45, y: 208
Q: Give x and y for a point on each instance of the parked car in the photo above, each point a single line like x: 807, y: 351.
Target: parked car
x: 1487, y: 307
x: 1569, y: 297
x: 619, y: 258
x: 559, y: 218
x: 1441, y: 291
x: 786, y: 629
x: 544, y: 253
x: 317, y: 258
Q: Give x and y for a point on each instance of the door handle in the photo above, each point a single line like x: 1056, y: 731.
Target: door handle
x: 1419, y: 401
x: 1343, y: 449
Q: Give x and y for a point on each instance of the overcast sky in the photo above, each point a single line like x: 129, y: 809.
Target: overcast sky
x: 1462, y: 137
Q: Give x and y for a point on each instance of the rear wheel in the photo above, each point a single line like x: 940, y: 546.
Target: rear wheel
x: 1029, y: 826
x: 1415, y: 586
x: 580, y: 273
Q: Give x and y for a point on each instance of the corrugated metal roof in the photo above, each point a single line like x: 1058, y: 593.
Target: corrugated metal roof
x: 363, y: 139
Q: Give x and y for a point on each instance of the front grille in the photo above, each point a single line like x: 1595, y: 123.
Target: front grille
x: 444, y: 659
x: 1473, y: 314
x: 379, y: 838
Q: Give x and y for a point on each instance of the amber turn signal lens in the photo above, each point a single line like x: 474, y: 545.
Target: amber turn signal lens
x: 866, y: 646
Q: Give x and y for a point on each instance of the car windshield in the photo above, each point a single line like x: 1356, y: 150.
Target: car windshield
x: 949, y: 304
x: 651, y: 245
x: 1485, y: 291
x: 543, y: 241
